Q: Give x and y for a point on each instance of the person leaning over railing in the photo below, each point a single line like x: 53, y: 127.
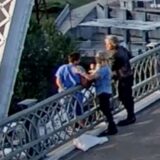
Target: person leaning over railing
x: 122, y: 73
x: 66, y: 77
x: 102, y: 77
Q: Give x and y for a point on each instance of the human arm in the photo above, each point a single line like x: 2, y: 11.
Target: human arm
x: 59, y: 84
x: 92, y: 76
x: 85, y: 75
x: 59, y: 77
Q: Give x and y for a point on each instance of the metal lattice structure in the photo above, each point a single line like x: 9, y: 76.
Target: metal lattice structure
x: 34, y: 132
x: 6, y: 11
x: 146, y: 73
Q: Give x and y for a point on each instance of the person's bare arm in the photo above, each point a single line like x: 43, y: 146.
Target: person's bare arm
x: 89, y: 76
x: 59, y: 84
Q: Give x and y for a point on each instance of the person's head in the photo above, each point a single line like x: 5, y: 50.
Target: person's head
x: 101, y: 58
x: 74, y: 58
x: 111, y: 42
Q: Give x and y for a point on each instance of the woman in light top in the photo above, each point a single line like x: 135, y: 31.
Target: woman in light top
x: 102, y: 78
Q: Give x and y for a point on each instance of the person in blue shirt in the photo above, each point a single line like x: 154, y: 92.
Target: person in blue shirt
x: 66, y: 77
x: 103, y: 86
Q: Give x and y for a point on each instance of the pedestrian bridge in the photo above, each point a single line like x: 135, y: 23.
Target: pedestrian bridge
x: 47, y: 127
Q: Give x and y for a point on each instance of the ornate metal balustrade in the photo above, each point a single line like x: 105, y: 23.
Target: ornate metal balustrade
x: 146, y: 73
x: 34, y: 132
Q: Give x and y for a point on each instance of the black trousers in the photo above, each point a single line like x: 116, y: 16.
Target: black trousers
x: 125, y: 94
x: 105, y: 107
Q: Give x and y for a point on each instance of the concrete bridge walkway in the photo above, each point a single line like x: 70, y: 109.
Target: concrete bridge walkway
x: 140, y: 141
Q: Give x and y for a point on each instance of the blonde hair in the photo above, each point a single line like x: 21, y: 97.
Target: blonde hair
x: 101, y: 58
x: 113, y: 40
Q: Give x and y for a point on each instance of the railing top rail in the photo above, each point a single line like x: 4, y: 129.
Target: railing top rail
x: 147, y: 53
x: 36, y: 106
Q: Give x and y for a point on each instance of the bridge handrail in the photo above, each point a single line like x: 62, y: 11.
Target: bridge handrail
x: 147, y: 53
x: 38, y: 105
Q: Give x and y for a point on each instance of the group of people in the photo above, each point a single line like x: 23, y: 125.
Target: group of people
x: 117, y: 67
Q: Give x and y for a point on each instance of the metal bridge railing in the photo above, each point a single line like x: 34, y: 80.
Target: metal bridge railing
x: 34, y: 132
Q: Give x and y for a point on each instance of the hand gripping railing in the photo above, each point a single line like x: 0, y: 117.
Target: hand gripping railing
x: 34, y: 132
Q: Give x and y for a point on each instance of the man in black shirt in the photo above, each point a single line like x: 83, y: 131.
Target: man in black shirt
x: 123, y: 73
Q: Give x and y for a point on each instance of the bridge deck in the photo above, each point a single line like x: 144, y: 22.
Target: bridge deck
x: 135, y: 142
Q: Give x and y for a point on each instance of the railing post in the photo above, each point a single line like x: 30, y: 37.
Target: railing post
x: 107, y: 15
x: 126, y: 32
x: 145, y: 35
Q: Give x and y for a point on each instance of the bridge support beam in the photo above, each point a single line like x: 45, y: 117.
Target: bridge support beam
x: 12, y: 52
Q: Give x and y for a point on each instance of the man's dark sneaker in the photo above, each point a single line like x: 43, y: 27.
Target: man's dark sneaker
x: 109, y: 132
x: 127, y: 122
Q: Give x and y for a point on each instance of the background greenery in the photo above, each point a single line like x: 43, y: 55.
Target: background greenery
x: 44, y: 50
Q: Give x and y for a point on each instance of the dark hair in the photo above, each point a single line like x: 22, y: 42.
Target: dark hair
x: 74, y: 57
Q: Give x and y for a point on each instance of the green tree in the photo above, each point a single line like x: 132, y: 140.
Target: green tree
x: 44, y: 48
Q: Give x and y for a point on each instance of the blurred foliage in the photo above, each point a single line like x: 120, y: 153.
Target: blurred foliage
x: 44, y: 49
